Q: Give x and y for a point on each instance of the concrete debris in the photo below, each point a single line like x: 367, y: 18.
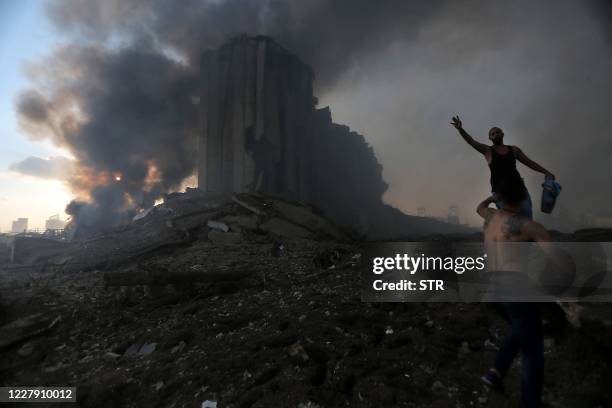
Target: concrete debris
x: 217, y: 225
x: 142, y: 214
x: 241, y: 201
x: 224, y: 238
x: 179, y: 347
x: 297, y: 350
x: 282, y: 228
x: 308, y: 404
x: 437, y: 386
x: 25, y: 328
x: 147, y: 348
x: 184, y: 219
x: 248, y: 222
x: 88, y: 358
x: 25, y: 350
x: 489, y: 345
x: 307, y: 218
x: 110, y: 356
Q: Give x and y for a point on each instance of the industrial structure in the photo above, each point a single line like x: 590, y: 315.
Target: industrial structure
x: 262, y: 132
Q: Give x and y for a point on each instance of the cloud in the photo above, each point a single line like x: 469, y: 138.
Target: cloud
x: 57, y: 167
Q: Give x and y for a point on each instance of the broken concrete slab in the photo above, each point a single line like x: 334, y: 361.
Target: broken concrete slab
x: 142, y: 214
x: 110, y: 356
x: 282, y: 228
x: 248, y: 222
x: 304, y: 216
x: 193, y: 219
x: 217, y: 225
x: 247, y: 201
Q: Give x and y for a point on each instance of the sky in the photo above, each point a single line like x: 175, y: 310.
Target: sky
x: 394, y: 71
x: 25, y: 36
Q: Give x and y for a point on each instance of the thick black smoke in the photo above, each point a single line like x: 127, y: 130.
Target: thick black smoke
x: 129, y: 118
x: 329, y: 35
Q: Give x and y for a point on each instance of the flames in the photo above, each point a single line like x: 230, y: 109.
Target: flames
x: 86, y: 179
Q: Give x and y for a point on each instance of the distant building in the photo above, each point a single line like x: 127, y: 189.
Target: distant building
x: 55, y: 223
x: 421, y: 212
x: 453, y: 215
x: 19, y: 225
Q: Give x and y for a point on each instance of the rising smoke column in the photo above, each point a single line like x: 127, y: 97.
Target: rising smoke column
x: 128, y: 116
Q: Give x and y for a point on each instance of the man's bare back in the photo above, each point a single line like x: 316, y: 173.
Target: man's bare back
x: 506, y: 225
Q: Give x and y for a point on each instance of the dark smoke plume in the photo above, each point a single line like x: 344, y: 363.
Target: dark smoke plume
x: 129, y: 118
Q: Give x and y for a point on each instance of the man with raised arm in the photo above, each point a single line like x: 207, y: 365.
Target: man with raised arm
x: 502, y: 159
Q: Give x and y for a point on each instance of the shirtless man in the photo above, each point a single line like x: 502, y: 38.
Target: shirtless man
x: 502, y: 159
x: 508, y: 225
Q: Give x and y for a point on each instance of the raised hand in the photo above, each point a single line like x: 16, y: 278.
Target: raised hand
x: 456, y: 122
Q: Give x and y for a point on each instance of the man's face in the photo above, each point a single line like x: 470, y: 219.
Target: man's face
x: 496, y: 135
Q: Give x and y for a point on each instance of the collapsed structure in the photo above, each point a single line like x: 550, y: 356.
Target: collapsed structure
x: 261, y: 131
x: 257, y: 120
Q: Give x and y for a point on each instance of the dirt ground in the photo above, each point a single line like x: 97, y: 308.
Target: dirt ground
x: 293, y: 332
x: 298, y: 337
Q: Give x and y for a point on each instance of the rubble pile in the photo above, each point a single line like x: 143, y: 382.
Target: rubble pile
x: 253, y: 301
x: 201, y: 220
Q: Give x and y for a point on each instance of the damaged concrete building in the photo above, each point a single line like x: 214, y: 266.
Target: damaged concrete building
x: 263, y: 132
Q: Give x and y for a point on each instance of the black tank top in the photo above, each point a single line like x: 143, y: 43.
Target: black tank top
x: 503, y: 167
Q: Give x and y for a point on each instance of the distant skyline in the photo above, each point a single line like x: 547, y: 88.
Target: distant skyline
x: 25, y: 35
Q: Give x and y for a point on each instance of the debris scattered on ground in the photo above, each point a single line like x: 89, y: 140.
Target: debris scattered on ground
x: 158, y: 313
